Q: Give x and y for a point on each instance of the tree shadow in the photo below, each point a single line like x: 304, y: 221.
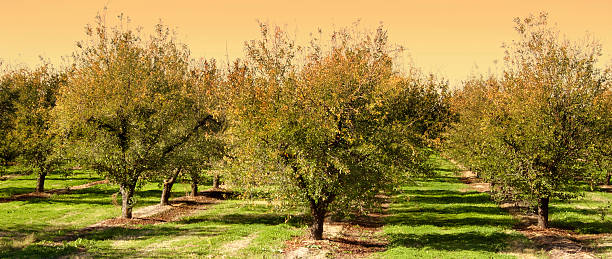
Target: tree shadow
x: 449, y: 210
x: 580, y: 226
x: 249, y: 219
x: 472, y: 240
x: 10, y: 191
x: 37, y: 250
x: 445, y: 197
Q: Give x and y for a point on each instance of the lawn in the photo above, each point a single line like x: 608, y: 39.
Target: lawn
x: 19, y: 183
x: 25, y: 225
x: 233, y: 228
x: 439, y: 218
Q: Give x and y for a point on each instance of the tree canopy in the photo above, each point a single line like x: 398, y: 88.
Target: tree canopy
x: 535, y: 131
x: 132, y: 103
x: 334, y: 129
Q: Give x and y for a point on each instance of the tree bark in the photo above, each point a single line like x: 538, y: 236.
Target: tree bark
x: 127, y: 201
x: 167, y: 188
x: 215, y: 181
x: 608, y: 178
x: 318, y: 209
x: 543, y: 212
x: 194, y: 188
x: 40, y: 182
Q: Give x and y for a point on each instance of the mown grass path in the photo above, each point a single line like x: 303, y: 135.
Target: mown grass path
x: 439, y: 218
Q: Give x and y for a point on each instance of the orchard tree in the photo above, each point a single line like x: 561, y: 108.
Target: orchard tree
x: 541, y: 124
x: 34, y: 141
x: 8, y: 95
x: 334, y: 129
x: 192, y: 160
x: 131, y: 103
x: 465, y: 140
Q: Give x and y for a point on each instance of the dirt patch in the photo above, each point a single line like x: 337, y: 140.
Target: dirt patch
x: 476, y: 184
x: 155, y: 214
x: 47, y: 194
x: 231, y: 249
x: 562, y: 243
x: 357, y: 238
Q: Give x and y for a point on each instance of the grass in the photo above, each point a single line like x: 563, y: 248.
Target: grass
x: 433, y: 218
x: 438, y: 218
x: 26, y: 183
x: 205, y: 234
x: 28, y: 228
x: 23, y: 224
x: 261, y: 232
x: 590, y: 214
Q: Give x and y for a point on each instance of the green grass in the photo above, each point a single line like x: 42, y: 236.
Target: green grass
x: 205, y: 234
x: 28, y: 228
x: 433, y: 218
x: 437, y: 218
x: 590, y: 214
x: 26, y: 183
x: 202, y: 235
x: 42, y: 219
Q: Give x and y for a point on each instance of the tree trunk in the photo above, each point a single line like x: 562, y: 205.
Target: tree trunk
x: 318, y: 211
x: 40, y: 182
x: 194, y: 187
x: 167, y: 189
x: 127, y: 201
x: 215, y: 181
x: 608, y: 178
x: 543, y: 212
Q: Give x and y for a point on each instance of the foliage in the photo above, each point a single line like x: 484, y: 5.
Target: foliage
x: 535, y: 132
x: 337, y: 127
x: 29, y: 99
x: 131, y: 104
x: 8, y: 94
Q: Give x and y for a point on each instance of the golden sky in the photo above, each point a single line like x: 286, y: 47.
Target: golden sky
x: 451, y: 38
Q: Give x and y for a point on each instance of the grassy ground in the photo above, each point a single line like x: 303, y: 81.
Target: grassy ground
x: 434, y: 218
x: 26, y: 226
x: 233, y: 229
x: 438, y: 218
x: 19, y: 184
x: 591, y: 214
x: 229, y: 229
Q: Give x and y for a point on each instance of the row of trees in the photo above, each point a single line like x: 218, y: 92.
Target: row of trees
x: 327, y: 125
x: 27, y: 99
x: 544, y: 127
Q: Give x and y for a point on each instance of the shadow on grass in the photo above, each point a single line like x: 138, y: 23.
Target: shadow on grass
x: 448, y: 221
x: 445, y: 197
x: 9, y: 191
x: 459, y: 209
x: 92, y: 195
x: 475, y: 241
x: 578, y: 225
x: 248, y: 219
x: 58, y: 179
x: 460, y: 216
x: 37, y: 250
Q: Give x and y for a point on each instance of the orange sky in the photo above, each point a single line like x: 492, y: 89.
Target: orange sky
x: 451, y: 38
